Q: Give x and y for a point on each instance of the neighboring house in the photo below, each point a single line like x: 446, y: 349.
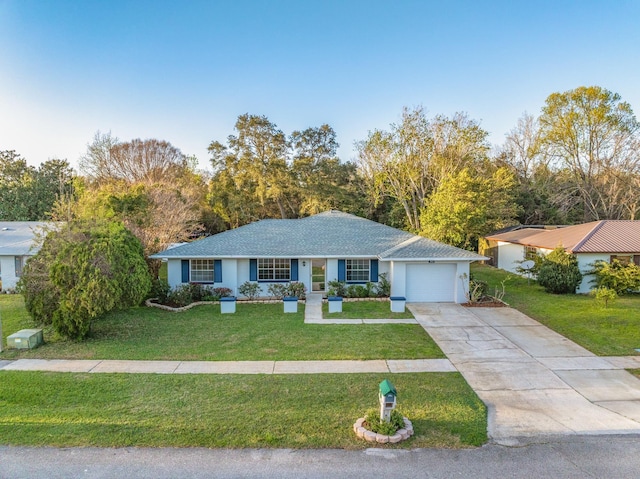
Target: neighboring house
x: 321, y: 248
x: 603, y: 240
x: 17, y: 243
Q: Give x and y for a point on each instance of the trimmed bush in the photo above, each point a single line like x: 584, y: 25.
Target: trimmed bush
x: 622, y: 278
x: 559, y: 272
x: 249, y: 289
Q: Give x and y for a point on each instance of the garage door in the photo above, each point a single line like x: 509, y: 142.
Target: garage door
x: 431, y: 282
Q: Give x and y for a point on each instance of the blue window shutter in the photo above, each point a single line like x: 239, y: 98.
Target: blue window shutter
x: 373, y: 271
x: 217, y: 271
x: 294, y: 270
x: 342, y: 270
x: 185, y: 270
x: 253, y: 270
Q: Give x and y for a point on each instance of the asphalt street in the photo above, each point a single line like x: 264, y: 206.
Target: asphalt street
x: 552, y: 457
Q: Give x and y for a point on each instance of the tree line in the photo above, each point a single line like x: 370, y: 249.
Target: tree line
x: 577, y: 161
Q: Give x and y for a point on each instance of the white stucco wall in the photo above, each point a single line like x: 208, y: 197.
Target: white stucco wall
x: 174, y: 273
x: 8, y: 272
x: 229, y: 276
x: 509, y: 255
x: 585, y: 263
x: 398, y: 277
x: 332, y: 270
x: 462, y: 282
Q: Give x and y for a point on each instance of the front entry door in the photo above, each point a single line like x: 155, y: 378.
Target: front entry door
x: 318, y: 279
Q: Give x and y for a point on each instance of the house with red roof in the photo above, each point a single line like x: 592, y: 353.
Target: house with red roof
x: 603, y: 240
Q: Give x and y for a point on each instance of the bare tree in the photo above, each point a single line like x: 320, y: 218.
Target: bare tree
x: 136, y: 161
x: 596, y: 137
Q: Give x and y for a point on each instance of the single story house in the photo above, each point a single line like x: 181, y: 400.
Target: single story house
x: 315, y: 250
x: 17, y: 244
x: 603, y: 240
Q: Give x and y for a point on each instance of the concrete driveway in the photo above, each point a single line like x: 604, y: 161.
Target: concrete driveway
x: 533, y: 380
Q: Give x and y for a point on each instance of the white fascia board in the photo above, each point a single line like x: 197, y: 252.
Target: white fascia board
x: 437, y: 260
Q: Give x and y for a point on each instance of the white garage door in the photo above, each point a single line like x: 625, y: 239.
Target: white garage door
x: 431, y: 282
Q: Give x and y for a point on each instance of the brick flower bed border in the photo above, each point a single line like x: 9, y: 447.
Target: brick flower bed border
x: 151, y: 304
x: 401, y: 434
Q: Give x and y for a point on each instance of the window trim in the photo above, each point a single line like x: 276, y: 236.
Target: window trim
x: 349, y: 270
x: 196, y: 272
x: 272, y: 266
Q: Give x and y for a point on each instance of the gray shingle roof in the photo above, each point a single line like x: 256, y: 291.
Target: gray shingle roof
x: 17, y: 237
x: 328, y: 234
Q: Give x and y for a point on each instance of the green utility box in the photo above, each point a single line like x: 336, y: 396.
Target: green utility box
x: 25, y: 339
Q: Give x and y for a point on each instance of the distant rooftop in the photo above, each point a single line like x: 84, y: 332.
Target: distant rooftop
x: 604, y: 236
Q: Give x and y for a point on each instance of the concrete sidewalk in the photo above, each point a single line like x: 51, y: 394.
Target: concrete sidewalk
x: 230, y: 367
x: 533, y: 380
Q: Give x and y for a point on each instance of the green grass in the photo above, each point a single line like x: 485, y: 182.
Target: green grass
x: 255, y: 332
x: 365, y: 310
x: 614, y: 331
x: 13, y: 315
x: 294, y: 411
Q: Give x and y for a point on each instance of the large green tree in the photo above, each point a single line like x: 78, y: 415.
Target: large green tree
x: 82, y: 271
x: 28, y: 193
x: 467, y: 206
x: 260, y: 172
x: 408, y: 162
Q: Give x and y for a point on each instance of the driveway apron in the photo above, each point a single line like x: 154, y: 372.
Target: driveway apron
x: 532, y: 380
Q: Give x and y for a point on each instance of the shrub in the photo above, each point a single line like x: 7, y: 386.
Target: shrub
x: 81, y: 272
x: 337, y: 288
x: 373, y: 422
x: 160, y: 289
x: 383, y: 288
x: 249, y: 290
x: 296, y: 289
x: 221, y: 292
x: 180, y: 296
x: 278, y: 290
x: 198, y: 292
x: 622, y: 278
x: 604, y: 295
x: 559, y: 272
x: 357, y: 291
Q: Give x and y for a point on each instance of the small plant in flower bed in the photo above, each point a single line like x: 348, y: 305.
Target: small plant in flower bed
x: 296, y: 289
x: 280, y: 290
x: 186, y: 294
x: 373, y: 423
x: 249, y: 289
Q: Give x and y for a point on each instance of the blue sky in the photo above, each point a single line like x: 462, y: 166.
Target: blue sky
x: 182, y: 71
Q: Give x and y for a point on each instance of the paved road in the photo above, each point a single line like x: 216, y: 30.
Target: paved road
x: 576, y: 457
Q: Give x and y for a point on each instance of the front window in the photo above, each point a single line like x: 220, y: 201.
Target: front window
x: 357, y: 270
x: 274, y: 269
x: 530, y: 252
x: 202, y: 271
x: 623, y: 259
x: 19, y: 261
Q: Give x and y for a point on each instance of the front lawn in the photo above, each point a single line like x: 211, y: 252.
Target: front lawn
x: 614, y: 331
x: 293, y: 411
x: 365, y: 310
x: 255, y: 332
